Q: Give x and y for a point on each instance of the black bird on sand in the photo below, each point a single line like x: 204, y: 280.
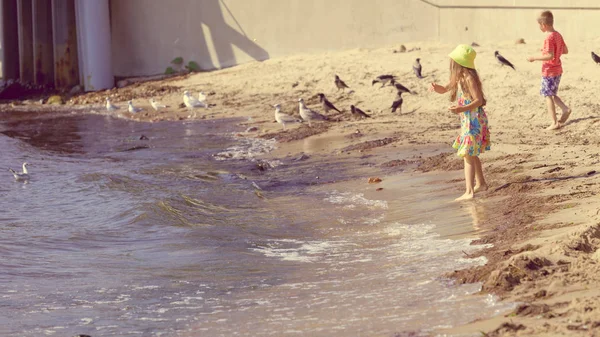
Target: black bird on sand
x: 596, y: 58
x: 326, y: 104
x: 397, y: 104
x: 383, y: 79
x: 502, y: 60
x: 402, y: 89
x: 417, y: 68
x: 356, y: 112
x: 340, y: 84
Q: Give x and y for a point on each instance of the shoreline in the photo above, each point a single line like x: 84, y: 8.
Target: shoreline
x: 544, y: 222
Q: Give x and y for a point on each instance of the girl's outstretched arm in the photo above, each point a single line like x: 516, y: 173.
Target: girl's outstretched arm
x: 440, y: 89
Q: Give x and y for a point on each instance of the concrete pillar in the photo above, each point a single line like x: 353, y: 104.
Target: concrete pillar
x: 10, y: 41
x: 24, y: 17
x: 66, y: 62
x: 43, y: 54
x: 93, y: 33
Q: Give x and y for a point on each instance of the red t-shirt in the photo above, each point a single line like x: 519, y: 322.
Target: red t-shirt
x: 554, y: 44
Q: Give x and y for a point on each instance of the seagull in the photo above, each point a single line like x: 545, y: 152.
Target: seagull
x: 502, y: 60
x: 133, y: 109
x: 326, y: 104
x: 284, y: 119
x: 340, y: 84
x: 155, y: 105
x: 417, y: 68
x: 397, y: 104
x: 110, y: 106
x: 358, y: 112
x: 596, y: 58
x: 383, y: 79
x: 308, y: 114
x: 20, y: 175
x: 402, y: 89
x: 191, y: 102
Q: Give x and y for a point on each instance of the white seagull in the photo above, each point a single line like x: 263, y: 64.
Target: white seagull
x: 191, y: 102
x: 110, y: 106
x: 308, y: 114
x: 133, y: 109
x: 284, y: 119
x: 156, y: 106
x: 21, y: 175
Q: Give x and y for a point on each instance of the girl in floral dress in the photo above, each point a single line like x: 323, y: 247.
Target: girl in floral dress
x: 474, y: 139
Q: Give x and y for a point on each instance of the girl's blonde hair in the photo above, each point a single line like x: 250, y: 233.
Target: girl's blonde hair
x: 460, y: 75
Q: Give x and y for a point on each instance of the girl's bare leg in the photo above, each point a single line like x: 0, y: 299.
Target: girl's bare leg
x: 469, y: 178
x: 480, y: 184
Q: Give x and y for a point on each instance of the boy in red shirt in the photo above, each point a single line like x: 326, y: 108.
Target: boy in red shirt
x: 554, y: 47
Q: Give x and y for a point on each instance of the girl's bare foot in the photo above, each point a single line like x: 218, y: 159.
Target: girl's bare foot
x: 466, y: 196
x: 483, y: 187
x: 554, y: 126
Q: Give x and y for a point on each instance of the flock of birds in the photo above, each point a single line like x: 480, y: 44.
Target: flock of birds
x: 308, y: 115
x: 189, y: 101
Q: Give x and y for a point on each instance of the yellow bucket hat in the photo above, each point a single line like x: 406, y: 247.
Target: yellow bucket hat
x: 464, y: 55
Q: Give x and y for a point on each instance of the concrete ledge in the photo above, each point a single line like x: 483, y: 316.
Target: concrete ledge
x: 516, y: 4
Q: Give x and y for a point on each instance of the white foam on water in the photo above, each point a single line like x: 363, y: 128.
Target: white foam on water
x: 351, y: 200
x: 299, y: 251
x: 248, y: 149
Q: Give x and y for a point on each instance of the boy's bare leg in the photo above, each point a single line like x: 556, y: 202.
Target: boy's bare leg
x: 566, y: 111
x: 469, y: 177
x: 480, y: 184
x: 552, y: 113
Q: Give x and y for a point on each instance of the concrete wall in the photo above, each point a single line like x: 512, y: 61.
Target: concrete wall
x: 148, y: 34
x: 507, y: 20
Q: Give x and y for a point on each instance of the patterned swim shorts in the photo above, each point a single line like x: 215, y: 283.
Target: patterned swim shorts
x: 550, y: 86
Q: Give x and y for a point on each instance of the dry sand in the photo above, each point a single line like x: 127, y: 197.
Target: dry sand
x: 542, y: 206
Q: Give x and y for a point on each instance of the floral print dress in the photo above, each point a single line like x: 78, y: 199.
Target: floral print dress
x: 474, y: 135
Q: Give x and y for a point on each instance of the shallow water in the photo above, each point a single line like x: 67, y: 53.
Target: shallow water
x: 182, y: 235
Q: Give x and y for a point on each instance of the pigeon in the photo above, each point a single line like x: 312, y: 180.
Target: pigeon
x: 20, y: 175
x: 326, y: 104
x: 358, y: 112
x: 502, y: 60
x: 417, y: 68
x: 284, y: 119
x: 133, y: 109
x: 402, y: 89
x: 397, y: 104
x: 383, y: 79
x: 596, y: 58
x: 340, y: 84
x: 110, y: 106
x: 308, y: 114
x: 156, y: 106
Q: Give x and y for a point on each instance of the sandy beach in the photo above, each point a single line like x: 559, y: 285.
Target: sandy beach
x: 541, y: 210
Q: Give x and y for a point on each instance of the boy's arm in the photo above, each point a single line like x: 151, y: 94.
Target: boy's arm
x: 547, y: 51
x: 546, y: 57
x: 565, y: 49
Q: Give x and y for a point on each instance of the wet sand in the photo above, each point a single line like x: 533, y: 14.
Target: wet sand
x: 545, y: 227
